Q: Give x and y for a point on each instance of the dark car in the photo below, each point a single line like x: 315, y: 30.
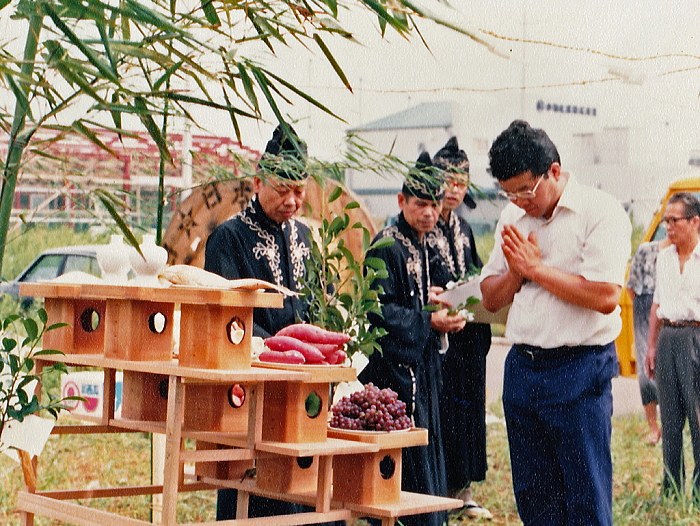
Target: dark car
x: 52, y: 263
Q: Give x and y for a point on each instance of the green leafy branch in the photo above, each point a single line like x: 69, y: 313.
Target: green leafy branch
x: 21, y: 337
x: 337, y: 290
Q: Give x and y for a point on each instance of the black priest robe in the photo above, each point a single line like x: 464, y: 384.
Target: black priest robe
x: 409, y: 362
x: 463, y: 397
x: 251, y: 245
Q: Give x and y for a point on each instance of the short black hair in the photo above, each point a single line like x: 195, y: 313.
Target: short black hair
x: 520, y: 148
x: 691, y: 204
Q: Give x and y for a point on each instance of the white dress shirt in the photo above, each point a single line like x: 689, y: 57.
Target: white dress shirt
x: 589, y: 235
x: 677, y: 294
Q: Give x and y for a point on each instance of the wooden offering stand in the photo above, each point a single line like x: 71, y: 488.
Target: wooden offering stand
x: 240, y: 415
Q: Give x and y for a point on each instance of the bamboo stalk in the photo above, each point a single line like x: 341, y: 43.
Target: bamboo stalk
x: 18, y: 140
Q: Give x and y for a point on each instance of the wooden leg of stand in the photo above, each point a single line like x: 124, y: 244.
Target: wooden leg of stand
x: 325, y: 479
x: 255, y: 414
x: 108, y: 395
x: 29, y: 472
x: 242, y: 505
x: 172, y: 475
x: 26, y: 519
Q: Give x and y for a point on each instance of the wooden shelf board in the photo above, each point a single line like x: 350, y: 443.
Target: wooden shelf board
x: 121, y: 491
x: 385, y: 440
x: 332, y: 446
x: 216, y: 437
x: 216, y: 455
x: 409, y: 504
x: 45, y: 506
x: 249, y: 485
x: 188, y: 374
x: 174, y: 294
x: 88, y: 429
x: 130, y: 491
x: 71, y: 513
x: 298, y: 519
x: 319, y: 373
x: 138, y: 425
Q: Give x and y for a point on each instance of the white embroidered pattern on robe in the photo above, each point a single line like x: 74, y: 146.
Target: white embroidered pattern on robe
x: 270, y: 250
x: 436, y: 238
x: 299, y: 253
x: 414, y: 264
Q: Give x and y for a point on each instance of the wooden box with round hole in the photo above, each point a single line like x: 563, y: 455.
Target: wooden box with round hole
x: 144, y: 396
x: 295, y: 412
x: 139, y: 330
x: 84, y: 332
x: 373, y: 479
x: 221, y: 408
x: 222, y: 470
x: 287, y: 474
x: 215, y: 336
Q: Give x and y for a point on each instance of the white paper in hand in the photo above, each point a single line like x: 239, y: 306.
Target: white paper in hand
x: 462, y: 292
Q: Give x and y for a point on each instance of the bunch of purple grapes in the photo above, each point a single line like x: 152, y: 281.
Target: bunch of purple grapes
x: 371, y: 409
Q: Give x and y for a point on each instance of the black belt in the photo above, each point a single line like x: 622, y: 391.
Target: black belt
x: 538, y: 354
x: 680, y: 323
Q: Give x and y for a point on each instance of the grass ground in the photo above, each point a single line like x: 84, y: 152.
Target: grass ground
x: 123, y: 459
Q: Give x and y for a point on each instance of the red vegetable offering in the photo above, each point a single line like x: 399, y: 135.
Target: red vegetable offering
x: 287, y: 343
x: 337, y: 357
x: 289, y: 357
x: 326, y: 348
x: 310, y: 333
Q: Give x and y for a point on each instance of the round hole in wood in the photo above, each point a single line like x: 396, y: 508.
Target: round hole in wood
x: 90, y: 320
x: 157, y: 322
x: 312, y: 405
x: 236, y: 396
x: 305, y: 462
x: 163, y: 389
x: 387, y: 467
x: 235, y: 330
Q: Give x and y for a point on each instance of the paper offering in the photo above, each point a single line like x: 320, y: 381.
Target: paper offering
x: 30, y: 435
x: 462, y: 292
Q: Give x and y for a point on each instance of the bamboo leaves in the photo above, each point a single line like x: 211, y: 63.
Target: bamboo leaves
x: 329, y: 56
x: 132, y: 57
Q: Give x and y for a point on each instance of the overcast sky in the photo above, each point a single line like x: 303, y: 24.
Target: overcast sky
x: 640, y: 58
x: 539, y: 47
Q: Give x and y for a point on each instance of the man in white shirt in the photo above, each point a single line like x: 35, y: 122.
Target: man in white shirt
x: 559, y: 260
x: 674, y: 340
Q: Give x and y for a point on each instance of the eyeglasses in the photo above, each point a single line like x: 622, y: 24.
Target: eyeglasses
x: 456, y: 183
x: 525, y: 194
x: 673, y: 220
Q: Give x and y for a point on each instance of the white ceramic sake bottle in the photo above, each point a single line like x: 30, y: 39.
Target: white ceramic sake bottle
x: 149, y: 266
x: 113, y: 259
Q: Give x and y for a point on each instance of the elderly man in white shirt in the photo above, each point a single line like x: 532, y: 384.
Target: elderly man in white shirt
x: 673, y: 356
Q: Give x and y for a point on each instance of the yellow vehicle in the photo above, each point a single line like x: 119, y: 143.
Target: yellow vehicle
x: 655, y: 231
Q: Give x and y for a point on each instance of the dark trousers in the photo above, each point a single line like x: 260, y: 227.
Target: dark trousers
x: 558, y: 414
x: 677, y: 361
